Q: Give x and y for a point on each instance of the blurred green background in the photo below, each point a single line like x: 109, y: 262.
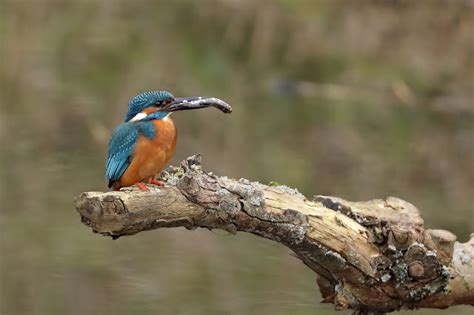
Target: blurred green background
x: 357, y: 99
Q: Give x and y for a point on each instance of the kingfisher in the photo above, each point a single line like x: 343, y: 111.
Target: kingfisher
x: 142, y: 145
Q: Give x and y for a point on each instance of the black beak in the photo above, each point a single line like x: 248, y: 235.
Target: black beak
x: 186, y: 103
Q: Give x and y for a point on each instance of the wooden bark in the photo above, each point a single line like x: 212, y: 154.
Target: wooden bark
x: 373, y: 256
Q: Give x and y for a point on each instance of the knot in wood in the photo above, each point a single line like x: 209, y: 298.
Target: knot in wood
x: 416, y: 269
x: 443, y: 242
x: 400, y: 237
x: 442, y: 236
x: 415, y: 252
x: 417, y: 255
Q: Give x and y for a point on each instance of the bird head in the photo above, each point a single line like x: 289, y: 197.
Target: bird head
x: 161, y: 103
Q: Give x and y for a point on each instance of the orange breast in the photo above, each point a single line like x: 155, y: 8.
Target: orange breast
x: 151, y: 155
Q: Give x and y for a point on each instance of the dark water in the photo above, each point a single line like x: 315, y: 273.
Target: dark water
x: 329, y: 98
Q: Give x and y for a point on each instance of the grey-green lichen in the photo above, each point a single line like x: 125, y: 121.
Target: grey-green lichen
x: 244, y: 181
x: 392, y: 250
x: 400, y: 271
x: 196, y: 167
x: 255, y: 197
x: 227, y: 202
x: 385, y: 277
x: 417, y: 294
x: 338, y: 288
x: 172, y: 175
x: 284, y: 189
x: 336, y: 257
x: 445, y: 274
x: 464, y: 257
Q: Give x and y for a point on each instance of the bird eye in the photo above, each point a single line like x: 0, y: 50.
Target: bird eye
x: 164, y: 102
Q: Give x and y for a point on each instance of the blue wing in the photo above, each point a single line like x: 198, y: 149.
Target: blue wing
x: 121, y: 146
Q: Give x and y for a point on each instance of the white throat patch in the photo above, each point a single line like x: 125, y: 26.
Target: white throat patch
x: 138, y: 117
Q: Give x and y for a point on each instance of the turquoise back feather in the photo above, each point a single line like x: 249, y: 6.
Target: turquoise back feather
x: 122, y: 145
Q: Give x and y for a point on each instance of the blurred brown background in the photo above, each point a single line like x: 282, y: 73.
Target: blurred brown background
x: 357, y: 99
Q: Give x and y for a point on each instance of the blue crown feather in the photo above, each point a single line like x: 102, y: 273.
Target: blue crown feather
x: 146, y: 99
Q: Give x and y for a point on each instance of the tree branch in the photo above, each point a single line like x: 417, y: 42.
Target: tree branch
x: 373, y: 256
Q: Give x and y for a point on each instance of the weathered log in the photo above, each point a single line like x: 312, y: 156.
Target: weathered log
x: 373, y: 256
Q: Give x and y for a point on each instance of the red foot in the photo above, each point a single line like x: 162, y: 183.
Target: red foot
x: 141, y: 186
x: 156, y: 182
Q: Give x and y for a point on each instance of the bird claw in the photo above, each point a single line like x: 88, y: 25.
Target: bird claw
x: 142, y: 187
x: 156, y: 182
